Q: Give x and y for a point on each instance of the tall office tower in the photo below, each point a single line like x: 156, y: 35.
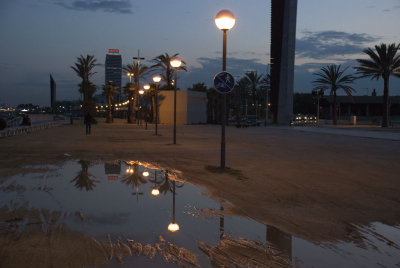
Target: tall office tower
x: 114, y: 69
x: 283, y: 39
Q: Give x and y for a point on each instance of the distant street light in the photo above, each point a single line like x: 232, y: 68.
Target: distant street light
x: 146, y: 87
x: 130, y: 77
x: 156, y: 80
x: 318, y: 94
x: 175, y: 63
x: 224, y: 20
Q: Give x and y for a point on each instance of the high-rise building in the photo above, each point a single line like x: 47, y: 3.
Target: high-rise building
x: 283, y: 39
x: 114, y: 69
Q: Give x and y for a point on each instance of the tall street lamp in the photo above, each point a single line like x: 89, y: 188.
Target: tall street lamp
x: 175, y: 63
x: 224, y: 20
x: 131, y: 89
x: 156, y: 80
x: 146, y: 87
x: 130, y: 77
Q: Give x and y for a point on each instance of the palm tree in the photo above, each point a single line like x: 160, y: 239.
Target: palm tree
x: 131, y: 90
x: 254, y: 82
x: 109, y: 91
x: 240, y: 92
x: 163, y: 63
x: 84, y: 69
x: 83, y: 180
x: 382, y: 63
x: 331, y: 77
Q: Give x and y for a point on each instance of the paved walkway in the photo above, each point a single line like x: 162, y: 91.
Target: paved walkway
x: 365, y: 132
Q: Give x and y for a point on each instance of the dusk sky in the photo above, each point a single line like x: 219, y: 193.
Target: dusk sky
x: 43, y: 37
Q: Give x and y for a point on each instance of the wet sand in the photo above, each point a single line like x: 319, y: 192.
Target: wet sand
x: 316, y: 186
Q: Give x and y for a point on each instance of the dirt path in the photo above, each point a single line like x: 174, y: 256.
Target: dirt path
x: 312, y: 185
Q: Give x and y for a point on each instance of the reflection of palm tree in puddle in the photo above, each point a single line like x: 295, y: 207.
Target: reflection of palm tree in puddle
x: 134, y: 180
x: 165, y: 185
x: 83, y: 180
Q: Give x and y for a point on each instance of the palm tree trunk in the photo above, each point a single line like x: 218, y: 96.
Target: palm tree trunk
x: 386, y: 109
x: 109, y: 114
x: 154, y: 107
x: 334, y: 108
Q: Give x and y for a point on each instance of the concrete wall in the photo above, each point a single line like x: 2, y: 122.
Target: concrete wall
x: 197, y: 107
x: 191, y: 107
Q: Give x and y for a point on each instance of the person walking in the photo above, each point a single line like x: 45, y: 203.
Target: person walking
x: 88, y: 123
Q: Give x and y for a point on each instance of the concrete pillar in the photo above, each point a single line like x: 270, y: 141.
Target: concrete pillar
x: 283, y: 35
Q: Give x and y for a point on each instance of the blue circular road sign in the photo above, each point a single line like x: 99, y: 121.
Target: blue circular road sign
x: 224, y: 82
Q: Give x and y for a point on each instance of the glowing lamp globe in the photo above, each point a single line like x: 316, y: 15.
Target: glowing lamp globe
x: 176, y: 63
x: 156, y: 78
x: 225, y: 20
x: 155, y: 192
x: 145, y: 174
x: 173, y: 227
x: 146, y: 87
x: 141, y: 92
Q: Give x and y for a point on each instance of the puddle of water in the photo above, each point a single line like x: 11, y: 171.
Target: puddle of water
x: 99, y: 214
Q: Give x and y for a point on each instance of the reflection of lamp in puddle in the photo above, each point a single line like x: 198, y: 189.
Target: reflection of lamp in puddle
x: 173, y: 226
x: 155, y: 191
x: 129, y: 170
x: 145, y: 173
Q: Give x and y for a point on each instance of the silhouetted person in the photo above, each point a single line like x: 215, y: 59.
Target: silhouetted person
x: 88, y: 123
x: 26, y: 121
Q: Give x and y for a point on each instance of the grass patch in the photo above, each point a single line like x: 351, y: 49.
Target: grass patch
x: 233, y: 172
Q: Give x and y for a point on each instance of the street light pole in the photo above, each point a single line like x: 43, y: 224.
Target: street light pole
x: 175, y: 63
x: 146, y: 87
x: 223, y: 108
x: 224, y: 20
x: 156, y: 80
x: 175, y: 82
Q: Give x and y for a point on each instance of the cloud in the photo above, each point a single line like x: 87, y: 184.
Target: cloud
x: 320, y: 45
x: 112, y: 6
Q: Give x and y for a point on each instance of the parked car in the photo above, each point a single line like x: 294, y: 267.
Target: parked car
x: 253, y: 120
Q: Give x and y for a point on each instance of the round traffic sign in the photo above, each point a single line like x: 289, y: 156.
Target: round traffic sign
x: 224, y: 82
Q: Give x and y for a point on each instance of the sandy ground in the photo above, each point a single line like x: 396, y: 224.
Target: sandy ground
x: 315, y: 186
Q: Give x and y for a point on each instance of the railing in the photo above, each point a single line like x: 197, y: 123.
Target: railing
x: 13, y: 131
x: 14, y: 122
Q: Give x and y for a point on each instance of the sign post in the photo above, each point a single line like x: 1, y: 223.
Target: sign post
x: 223, y: 83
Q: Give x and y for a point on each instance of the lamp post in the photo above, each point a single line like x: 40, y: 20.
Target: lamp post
x: 318, y: 95
x: 141, y: 92
x: 224, y: 20
x: 146, y: 87
x: 173, y: 226
x: 130, y: 77
x: 130, y: 98
x: 175, y: 63
x: 156, y: 80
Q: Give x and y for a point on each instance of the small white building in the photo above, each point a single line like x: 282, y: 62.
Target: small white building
x: 191, y: 107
